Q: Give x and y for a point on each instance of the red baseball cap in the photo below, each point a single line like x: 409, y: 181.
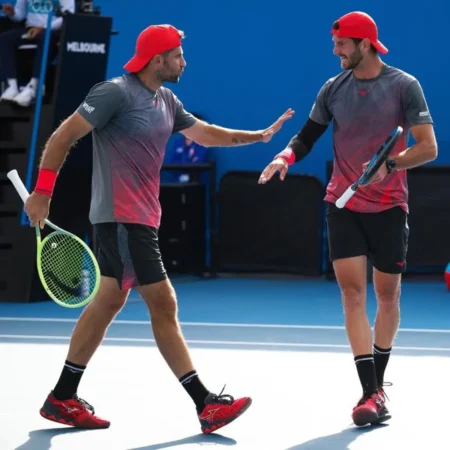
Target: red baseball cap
x: 359, y: 25
x: 154, y: 40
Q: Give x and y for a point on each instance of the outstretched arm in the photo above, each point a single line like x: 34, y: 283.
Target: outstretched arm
x: 299, y: 146
x: 215, y: 136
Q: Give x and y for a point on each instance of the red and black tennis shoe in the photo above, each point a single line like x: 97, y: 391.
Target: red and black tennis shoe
x: 371, y: 409
x: 220, y: 410
x: 74, y: 412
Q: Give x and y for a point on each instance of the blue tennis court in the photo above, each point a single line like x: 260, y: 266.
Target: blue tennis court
x: 281, y: 341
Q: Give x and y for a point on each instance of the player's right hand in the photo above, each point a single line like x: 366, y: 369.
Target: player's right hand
x: 37, y: 208
x: 268, y: 133
x: 277, y: 165
x: 8, y: 9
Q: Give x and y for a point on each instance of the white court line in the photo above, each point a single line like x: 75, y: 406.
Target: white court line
x: 231, y: 343
x: 214, y: 324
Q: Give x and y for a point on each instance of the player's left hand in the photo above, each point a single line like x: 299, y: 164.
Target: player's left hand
x: 379, y: 175
x: 268, y: 133
x: 34, y: 32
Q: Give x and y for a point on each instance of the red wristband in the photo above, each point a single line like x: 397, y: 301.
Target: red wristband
x: 288, y: 155
x: 45, y: 182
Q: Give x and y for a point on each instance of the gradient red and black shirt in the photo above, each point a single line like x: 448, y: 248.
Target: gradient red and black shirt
x: 132, y: 126
x: 364, y: 113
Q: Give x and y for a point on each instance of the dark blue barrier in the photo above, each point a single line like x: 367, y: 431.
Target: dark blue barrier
x: 271, y: 228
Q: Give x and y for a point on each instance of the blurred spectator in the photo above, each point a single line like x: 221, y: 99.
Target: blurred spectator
x: 185, y: 151
x: 6, y: 23
x: 35, y: 14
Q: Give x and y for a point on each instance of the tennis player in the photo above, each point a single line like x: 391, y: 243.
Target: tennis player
x: 131, y: 118
x: 366, y: 102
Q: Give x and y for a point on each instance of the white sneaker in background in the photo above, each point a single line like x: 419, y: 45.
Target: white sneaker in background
x: 26, y: 96
x: 10, y: 93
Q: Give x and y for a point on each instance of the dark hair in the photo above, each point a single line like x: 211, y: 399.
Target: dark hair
x: 372, y: 48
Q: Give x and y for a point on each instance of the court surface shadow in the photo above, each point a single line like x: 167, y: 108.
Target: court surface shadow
x: 337, y: 441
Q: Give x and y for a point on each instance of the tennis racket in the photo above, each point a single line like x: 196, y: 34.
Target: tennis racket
x: 66, y: 266
x: 374, y: 165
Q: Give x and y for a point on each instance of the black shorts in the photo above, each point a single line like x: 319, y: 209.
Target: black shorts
x: 129, y: 253
x: 382, y: 237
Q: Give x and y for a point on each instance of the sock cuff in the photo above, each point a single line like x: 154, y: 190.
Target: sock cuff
x: 383, y: 351
x: 361, y: 358
x: 74, y: 367
x: 188, y: 377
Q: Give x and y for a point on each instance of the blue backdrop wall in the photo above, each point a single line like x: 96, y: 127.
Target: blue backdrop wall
x: 248, y: 61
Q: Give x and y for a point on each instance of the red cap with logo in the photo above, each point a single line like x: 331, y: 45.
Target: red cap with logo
x: 154, y: 40
x: 358, y: 25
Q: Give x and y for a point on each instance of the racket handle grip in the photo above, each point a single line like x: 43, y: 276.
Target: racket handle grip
x: 345, y: 197
x: 18, y: 184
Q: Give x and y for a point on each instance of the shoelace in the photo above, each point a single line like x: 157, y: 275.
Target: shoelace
x: 85, y: 404
x: 385, y: 384
x: 223, y: 399
x: 380, y: 388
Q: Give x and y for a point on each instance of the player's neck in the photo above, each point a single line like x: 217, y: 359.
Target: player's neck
x: 149, y: 79
x: 369, y: 69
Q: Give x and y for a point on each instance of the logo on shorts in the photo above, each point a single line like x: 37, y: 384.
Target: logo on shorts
x: 400, y: 263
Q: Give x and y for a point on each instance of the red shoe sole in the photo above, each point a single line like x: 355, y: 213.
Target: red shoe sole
x: 215, y: 426
x: 53, y: 418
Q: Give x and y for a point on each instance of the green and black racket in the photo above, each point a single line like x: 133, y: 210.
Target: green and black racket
x: 67, y: 268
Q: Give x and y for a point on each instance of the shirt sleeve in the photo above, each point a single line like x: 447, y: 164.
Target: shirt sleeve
x: 20, y: 10
x: 320, y: 112
x: 183, y: 119
x: 103, y: 101
x: 416, y: 110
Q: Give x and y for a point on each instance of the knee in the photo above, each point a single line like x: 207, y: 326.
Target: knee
x: 116, y: 304
x: 388, y: 299
x: 163, y: 305
x: 353, y: 297
x: 111, y: 304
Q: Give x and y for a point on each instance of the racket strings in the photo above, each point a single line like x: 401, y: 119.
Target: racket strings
x: 67, y: 268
